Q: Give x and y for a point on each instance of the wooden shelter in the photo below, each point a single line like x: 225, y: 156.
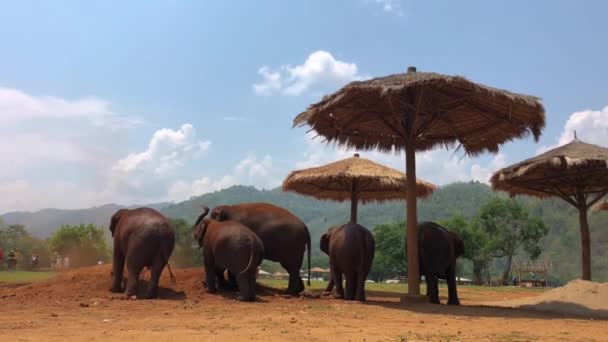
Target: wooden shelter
x: 576, y: 172
x: 539, y: 269
x: 355, y: 179
x: 418, y: 111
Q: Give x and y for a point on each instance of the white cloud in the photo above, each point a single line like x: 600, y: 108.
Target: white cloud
x: 591, y: 126
x: 389, y: 6
x: 482, y: 173
x: 166, y: 151
x: 249, y: 171
x: 319, y: 69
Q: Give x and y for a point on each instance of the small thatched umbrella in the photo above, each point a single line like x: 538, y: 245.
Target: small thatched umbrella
x: 602, y: 206
x: 576, y: 172
x: 353, y: 179
x: 417, y: 112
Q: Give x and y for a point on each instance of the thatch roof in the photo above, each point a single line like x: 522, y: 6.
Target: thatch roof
x: 602, y: 206
x: 319, y: 270
x: 373, y: 114
x: 565, y: 170
x: 334, y: 181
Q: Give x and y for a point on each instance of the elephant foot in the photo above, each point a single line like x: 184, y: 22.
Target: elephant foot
x: 152, y: 294
x: 246, y: 298
x: 211, y: 290
x: 453, y: 302
x: 434, y: 301
x: 339, y: 296
x: 116, y: 289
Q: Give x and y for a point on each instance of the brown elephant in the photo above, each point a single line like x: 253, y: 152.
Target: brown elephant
x: 142, y: 238
x: 438, y: 249
x: 229, y: 245
x: 285, y: 236
x: 351, y: 249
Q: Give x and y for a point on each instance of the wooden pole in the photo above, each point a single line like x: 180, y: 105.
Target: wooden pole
x: 585, y: 243
x: 413, y: 269
x: 354, y: 199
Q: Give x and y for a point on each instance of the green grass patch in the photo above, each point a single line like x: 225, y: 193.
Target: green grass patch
x: 402, y: 288
x: 23, y: 276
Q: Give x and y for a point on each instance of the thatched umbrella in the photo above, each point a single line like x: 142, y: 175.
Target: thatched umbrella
x: 353, y: 179
x: 576, y: 172
x: 602, y: 206
x: 419, y: 111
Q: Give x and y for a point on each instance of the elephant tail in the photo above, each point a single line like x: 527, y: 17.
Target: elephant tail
x: 173, y: 280
x: 308, y: 246
x: 246, y: 269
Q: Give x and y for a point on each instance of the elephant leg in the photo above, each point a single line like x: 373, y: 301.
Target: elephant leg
x: 451, y: 280
x: 222, y: 284
x: 330, y: 284
x: 118, y: 267
x: 337, y: 273
x: 155, y: 272
x: 351, y: 285
x: 232, y: 282
x: 296, y: 285
x: 360, y: 286
x: 433, y: 287
x: 210, y: 273
x: 246, y: 292
x: 133, y: 279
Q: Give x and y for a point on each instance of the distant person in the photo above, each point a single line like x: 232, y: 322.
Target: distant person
x: 66, y: 262
x: 514, y: 281
x: 100, y: 262
x: 11, y: 260
x: 34, y: 262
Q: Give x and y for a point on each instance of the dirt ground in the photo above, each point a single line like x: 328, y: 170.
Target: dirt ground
x: 76, y: 305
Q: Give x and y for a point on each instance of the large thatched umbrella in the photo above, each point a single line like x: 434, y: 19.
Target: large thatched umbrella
x: 419, y: 111
x: 576, y: 172
x: 353, y: 179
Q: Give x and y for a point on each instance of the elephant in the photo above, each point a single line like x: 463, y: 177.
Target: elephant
x: 285, y: 236
x: 229, y: 245
x: 438, y: 249
x: 351, y: 249
x: 143, y: 237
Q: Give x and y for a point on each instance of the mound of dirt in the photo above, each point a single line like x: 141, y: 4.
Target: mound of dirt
x: 578, y: 297
x: 95, y: 281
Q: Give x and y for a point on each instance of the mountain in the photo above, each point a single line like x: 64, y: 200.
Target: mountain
x: 44, y: 222
x: 561, y: 245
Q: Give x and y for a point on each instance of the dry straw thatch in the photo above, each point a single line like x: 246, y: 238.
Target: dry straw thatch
x: 602, y: 206
x: 563, y: 171
x: 576, y: 172
x: 447, y: 109
x: 334, y: 181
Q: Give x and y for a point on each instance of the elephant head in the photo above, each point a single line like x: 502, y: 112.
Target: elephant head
x: 115, y: 219
x: 219, y: 213
x: 458, y: 244
x: 200, y: 227
x: 324, y: 244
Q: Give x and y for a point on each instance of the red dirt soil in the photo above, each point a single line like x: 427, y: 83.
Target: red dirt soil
x: 76, y: 305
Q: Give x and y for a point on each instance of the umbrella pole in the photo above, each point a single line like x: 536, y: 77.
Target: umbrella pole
x: 354, y: 200
x: 413, y: 269
x: 585, y: 243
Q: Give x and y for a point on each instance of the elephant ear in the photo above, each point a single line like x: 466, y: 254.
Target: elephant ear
x: 115, y: 219
x: 458, y: 245
x: 199, y: 232
x: 324, y: 245
x: 219, y: 214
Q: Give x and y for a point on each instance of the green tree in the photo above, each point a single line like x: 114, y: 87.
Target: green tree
x: 186, y: 252
x: 475, y: 243
x: 509, y: 226
x: 83, y: 244
x: 17, y: 238
x: 390, y: 257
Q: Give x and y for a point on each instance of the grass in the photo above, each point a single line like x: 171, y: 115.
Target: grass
x: 401, y: 288
x: 23, y: 276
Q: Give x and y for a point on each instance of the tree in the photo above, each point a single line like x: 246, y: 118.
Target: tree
x: 16, y: 237
x: 475, y: 243
x: 390, y: 257
x: 186, y: 252
x: 83, y: 244
x: 509, y: 226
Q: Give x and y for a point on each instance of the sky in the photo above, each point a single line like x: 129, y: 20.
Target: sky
x: 142, y: 102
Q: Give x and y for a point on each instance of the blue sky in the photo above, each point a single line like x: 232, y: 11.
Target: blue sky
x: 137, y: 102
